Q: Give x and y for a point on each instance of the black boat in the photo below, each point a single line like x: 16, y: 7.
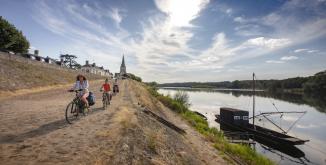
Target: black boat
x: 265, y: 134
x: 266, y: 143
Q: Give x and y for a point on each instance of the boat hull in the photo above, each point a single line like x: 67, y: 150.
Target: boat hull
x: 265, y: 134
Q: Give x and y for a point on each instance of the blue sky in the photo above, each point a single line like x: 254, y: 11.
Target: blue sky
x: 180, y: 40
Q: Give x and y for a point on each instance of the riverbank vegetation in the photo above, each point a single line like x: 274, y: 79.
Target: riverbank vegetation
x: 134, y: 77
x: 315, y: 84
x: 179, y: 103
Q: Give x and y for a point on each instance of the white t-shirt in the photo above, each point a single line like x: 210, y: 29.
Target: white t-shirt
x: 81, y: 85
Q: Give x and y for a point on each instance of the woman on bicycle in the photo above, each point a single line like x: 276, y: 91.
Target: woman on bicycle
x: 82, y: 83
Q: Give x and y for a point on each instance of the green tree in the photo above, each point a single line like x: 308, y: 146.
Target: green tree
x: 12, y: 39
x: 316, y: 84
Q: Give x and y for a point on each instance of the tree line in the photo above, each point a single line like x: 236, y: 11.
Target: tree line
x: 315, y: 84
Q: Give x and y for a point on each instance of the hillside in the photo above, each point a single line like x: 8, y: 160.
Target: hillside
x: 18, y: 73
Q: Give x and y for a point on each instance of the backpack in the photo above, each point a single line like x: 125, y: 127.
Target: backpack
x: 91, y: 99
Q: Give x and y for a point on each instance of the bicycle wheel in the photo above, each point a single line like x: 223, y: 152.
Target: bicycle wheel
x: 71, y: 112
x: 104, y: 101
x: 109, y: 98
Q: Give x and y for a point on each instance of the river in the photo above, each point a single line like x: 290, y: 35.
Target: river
x: 310, y: 126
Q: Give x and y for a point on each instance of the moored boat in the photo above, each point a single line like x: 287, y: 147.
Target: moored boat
x: 263, y: 133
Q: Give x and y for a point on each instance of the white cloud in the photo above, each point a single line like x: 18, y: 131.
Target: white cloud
x: 248, y: 30
x: 305, y: 51
x: 181, y: 12
x: 239, y: 19
x: 288, y: 58
x: 274, y: 61
x: 300, y: 50
x: 115, y: 15
x: 229, y: 11
x: 282, y: 60
x: 313, y: 51
x: 270, y: 43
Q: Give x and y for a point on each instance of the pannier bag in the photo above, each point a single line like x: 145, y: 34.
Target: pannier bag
x: 91, y: 99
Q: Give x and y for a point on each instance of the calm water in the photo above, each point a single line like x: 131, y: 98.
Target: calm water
x: 311, y: 126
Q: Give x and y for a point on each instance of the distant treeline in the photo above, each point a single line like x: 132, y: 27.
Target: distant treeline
x: 312, y: 84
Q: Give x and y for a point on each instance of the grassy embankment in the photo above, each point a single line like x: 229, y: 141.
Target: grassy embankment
x: 245, y: 153
x: 16, y: 75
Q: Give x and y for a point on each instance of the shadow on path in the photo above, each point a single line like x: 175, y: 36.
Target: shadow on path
x: 42, y: 130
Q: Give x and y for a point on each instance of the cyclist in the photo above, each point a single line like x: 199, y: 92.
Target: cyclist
x: 107, y: 89
x: 82, y: 83
x: 115, y: 86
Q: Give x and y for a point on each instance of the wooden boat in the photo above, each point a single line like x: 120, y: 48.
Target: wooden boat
x: 264, y: 133
x: 198, y: 113
x: 266, y: 143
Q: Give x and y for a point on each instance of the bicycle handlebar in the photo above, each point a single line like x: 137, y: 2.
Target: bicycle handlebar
x: 73, y: 90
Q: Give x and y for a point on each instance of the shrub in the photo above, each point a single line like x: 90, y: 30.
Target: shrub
x: 182, y: 97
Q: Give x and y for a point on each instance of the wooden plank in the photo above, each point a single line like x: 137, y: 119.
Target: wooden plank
x: 165, y: 122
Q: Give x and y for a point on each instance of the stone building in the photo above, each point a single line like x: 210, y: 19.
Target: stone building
x: 92, y: 68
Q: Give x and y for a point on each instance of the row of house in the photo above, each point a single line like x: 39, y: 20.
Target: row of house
x: 92, y: 68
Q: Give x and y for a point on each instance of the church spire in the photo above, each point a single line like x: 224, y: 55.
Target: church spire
x: 123, y: 61
x: 123, y: 70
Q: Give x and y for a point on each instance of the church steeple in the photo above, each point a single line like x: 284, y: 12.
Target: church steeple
x: 123, y: 61
x: 123, y: 70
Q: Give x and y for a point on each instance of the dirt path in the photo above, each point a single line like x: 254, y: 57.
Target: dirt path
x: 34, y: 131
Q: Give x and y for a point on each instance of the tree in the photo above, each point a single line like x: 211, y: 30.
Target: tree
x: 69, y: 61
x: 12, y: 39
x: 316, y: 84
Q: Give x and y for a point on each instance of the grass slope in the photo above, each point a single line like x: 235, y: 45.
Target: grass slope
x: 15, y: 75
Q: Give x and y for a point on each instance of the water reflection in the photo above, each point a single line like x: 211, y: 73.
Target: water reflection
x: 316, y: 101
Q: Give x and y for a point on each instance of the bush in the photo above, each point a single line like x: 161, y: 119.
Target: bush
x: 134, y: 77
x: 11, y: 39
x: 182, y: 97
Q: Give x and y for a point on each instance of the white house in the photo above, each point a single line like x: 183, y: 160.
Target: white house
x: 92, y: 68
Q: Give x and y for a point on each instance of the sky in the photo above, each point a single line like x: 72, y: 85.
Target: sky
x: 180, y: 40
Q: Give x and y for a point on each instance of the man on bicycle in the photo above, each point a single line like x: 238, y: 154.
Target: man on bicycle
x: 106, y: 87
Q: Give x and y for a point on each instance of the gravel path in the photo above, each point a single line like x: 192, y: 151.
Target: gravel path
x: 34, y: 131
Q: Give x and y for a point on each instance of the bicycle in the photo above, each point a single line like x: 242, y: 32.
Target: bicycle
x: 75, y: 107
x: 115, y: 89
x: 106, y: 98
